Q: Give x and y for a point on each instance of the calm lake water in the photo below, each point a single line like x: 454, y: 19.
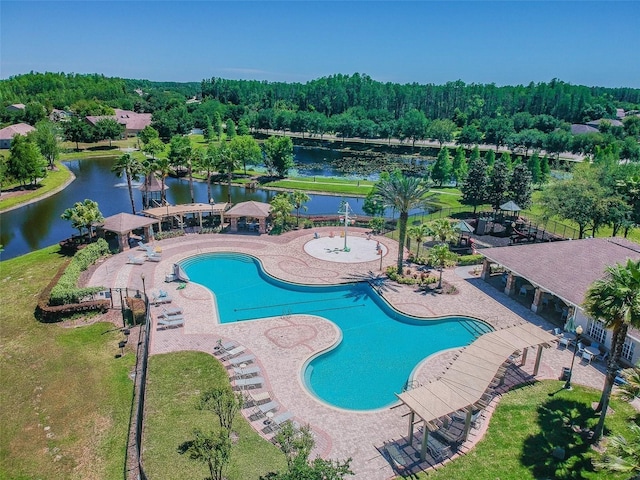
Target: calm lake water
x: 39, y: 224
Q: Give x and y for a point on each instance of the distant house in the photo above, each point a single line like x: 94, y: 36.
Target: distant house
x: 611, y: 121
x: 7, y: 133
x: 620, y: 113
x: 193, y: 100
x: 133, y: 122
x: 16, y: 107
x: 580, y: 129
x: 59, y: 115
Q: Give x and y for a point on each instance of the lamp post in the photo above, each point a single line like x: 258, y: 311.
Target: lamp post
x: 144, y: 288
x: 567, y: 385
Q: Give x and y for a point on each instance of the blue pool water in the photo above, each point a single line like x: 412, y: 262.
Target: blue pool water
x: 380, y: 347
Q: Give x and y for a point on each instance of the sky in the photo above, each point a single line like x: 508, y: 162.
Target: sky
x: 503, y: 42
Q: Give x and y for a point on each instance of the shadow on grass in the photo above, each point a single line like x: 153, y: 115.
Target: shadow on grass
x: 565, y: 424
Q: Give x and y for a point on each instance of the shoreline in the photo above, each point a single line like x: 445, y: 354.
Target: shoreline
x: 48, y: 194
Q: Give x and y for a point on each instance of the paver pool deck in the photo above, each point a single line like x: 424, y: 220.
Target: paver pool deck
x: 283, y: 344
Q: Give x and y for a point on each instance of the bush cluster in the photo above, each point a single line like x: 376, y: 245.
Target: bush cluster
x: 470, y: 259
x: 169, y: 234
x: 66, y: 290
x: 217, y: 229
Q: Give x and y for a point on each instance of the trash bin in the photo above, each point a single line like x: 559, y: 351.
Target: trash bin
x: 565, y: 373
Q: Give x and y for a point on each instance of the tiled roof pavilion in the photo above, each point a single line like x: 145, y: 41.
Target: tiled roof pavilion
x: 566, y: 269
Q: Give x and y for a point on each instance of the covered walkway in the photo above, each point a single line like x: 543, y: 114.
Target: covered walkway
x: 464, y: 386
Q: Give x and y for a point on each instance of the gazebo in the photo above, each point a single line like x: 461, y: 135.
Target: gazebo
x: 250, y: 211
x: 151, y: 190
x: 179, y: 212
x: 123, y: 224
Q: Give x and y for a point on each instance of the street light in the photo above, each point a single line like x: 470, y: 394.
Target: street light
x: 567, y: 385
x: 144, y: 288
x: 212, y: 202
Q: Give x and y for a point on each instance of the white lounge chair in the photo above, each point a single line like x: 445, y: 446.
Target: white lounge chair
x: 170, y: 312
x: 254, y: 399
x: 246, y: 372
x: 253, y: 382
x: 160, y: 297
x: 221, y: 348
x: 246, y: 358
x: 397, y: 459
x: 276, y: 422
x: 261, y: 410
x: 135, y: 260
x: 176, y: 322
x: 232, y: 353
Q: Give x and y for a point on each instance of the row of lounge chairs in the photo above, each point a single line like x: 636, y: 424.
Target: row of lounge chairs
x: 245, y: 376
x: 169, y: 317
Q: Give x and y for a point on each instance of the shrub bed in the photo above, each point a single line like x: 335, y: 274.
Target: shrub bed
x: 66, y: 290
x: 470, y: 259
x: 169, y: 234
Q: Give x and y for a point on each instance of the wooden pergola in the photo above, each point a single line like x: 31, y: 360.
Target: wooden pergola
x: 123, y: 224
x: 463, y: 387
x: 179, y: 212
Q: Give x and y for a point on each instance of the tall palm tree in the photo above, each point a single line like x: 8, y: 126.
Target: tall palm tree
x: 298, y: 199
x: 419, y: 233
x: 128, y: 165
x: 225, y: 161
x: 623, y: 455
x: 163, y: 167
x: 403, y: 194
x: 630, y: 389
x: 615, y: 300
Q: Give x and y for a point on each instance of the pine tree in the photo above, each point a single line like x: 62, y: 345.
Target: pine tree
x: 474, y: 188
x: 534, y: 167
x: 506, y: 159
x: 498, y: 185
x: 521, y: 186
x: 545, y: 170
x: 490, y: 158
x: 460, y: 166
x: 442, y: 169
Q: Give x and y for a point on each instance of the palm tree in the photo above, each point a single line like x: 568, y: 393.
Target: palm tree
x: 630, y: 390
x: 163, y: 167
x: 128, y: 165
x: 442, y: 229
x: 441, y: 257
x: 298, y: 198
x: 623, y: 455
x: 403, y: 194
x: 225, y: 161
x: 418, y: 233
x: 83, y: 215
x: 615, y: 300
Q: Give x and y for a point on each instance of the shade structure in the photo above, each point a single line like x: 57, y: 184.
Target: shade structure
x: 467, y: 379
x: 510, y: 206
x: 463, y: 227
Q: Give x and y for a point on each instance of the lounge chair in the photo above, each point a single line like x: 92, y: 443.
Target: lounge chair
x: 170, y: 312
x: 153, y: 257
x: 254, y: 399
x: 263, y: 409
x: 232, y: 353
x: 135, y: 260
x: 159, y: 298
x: 221, y: 348
x: 397, y: 459
x: 276, y: 422
x: 177, y: 322
x: 253, y: 382
x: 437, y: 449
x: 237, y: 361
x: 246, y: 372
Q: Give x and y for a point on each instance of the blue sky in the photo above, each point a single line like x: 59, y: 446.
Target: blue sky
x: 506, y: 42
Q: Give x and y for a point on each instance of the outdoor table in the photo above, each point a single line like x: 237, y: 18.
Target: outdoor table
x: 269, y: 416
x: 569, y: 336
x: 592, y: 350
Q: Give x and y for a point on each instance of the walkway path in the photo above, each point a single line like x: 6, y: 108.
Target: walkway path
x: 283, y: 344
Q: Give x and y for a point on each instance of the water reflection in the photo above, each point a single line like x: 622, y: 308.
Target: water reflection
x: 39, y: 224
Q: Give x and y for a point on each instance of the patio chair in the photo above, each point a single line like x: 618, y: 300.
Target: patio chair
x: 603, y: 357
x: 135, y: 260
x: 159, y: 298
x: 237, y: 361
x: 437, y: 449
x: 580, y: 348
x: 153, y: 257
x: 253, y: 382
x: 276, y: 422
x: 557, y: 331
x: 564, y: 342
x: 587, y: 357
x: 396, y: 458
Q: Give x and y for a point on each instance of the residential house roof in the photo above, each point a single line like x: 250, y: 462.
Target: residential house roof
x: 612, y: 121
x: 16, y: 106
x: 579, y: 129
x: 9, y: 132
x: 132, y: 121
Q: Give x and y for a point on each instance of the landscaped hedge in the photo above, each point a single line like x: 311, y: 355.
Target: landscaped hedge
x: 470, y: 259
x: 169, y: 234
x: 66, y: 290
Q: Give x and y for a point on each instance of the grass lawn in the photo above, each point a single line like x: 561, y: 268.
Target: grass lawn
x: 65, y: 397
x: 323, y: 184
x: 526, y: 427
x: 175, y: 382
x: 53, y: 180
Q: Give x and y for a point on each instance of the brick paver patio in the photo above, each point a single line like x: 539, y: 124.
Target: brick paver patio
x: 282, y: 345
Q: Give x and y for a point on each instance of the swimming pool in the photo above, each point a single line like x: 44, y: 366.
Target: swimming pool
x: 379, y: 348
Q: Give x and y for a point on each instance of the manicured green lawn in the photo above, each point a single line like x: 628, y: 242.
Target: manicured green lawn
x: 175, y: 382
x: 53, y: 180
x: 65, y: 397
x: 323, y: 184
x: 526, y: 427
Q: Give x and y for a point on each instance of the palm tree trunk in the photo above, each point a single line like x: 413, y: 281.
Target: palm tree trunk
x: 133, y: 205
x: 440, y: 279
x: 191, y: 183
x: 229, y: 174
x: 402, y: 232
x: 617, y: 340
x: 209, y: 185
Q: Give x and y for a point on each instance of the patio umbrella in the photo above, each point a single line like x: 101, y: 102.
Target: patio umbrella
x: 570, y: 325
x: 510, y: 206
